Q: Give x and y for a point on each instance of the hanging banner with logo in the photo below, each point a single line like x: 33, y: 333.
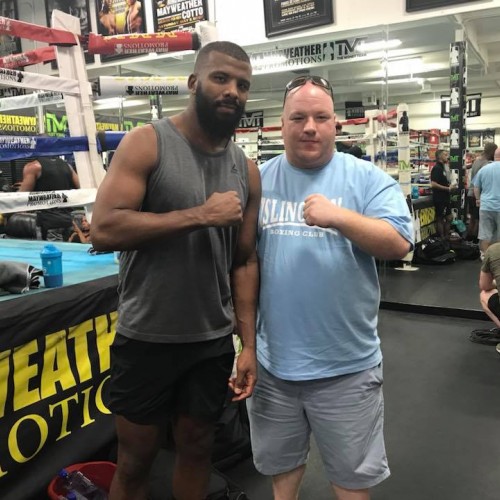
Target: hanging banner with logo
x: 307, y: 56
x: 9, y: 44
x: 252, y: 119
x: 172, y: 15
x: 22, y: 123
x: 354, y: 109
x: 473, y: 105
x: 416, y: 5
x: 458, y: 113
x: 287, y: 16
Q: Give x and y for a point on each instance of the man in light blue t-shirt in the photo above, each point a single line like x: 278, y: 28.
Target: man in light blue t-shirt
x: 487, y: 193
x: 324, y: 218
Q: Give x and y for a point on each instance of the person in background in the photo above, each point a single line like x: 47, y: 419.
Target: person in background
x: 81, y: 233
x: 441, y: 190
x: 485, y: 158
x: 180, y: 202
x: 489, y: 277
x: 51, y: 174
x: 325, y: 217
x: 107, y: 19
x: 355, y: 151
x: 341, y: 146
x: 487, y: 193
x: 133, y: 16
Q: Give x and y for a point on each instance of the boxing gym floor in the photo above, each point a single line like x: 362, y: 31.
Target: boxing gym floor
x: 442, y: 403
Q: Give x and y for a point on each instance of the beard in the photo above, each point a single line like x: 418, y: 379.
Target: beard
x: 215, y: 124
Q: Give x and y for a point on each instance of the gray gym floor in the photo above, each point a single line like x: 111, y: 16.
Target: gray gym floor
x: 442, y: 402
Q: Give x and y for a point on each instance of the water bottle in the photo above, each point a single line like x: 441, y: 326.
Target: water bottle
x: 81, y: 485
x: 71, y: 495
x: 52, y: 266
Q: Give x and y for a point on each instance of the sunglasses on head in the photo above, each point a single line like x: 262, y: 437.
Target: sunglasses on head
x: 302, y: 80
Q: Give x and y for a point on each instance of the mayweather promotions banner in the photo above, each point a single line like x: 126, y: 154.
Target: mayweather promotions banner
x: 54, y: 366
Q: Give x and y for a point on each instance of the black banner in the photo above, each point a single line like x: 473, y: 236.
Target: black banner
x: 458, y: 113
x: 416, y: 5
x: 354, y: 109
x: 284, y: 16
x: 54, y: 361
x: 473, y: 105
x: 171, y: 15
x: 9, y: 44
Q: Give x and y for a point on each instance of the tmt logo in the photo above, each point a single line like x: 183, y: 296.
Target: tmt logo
x: 255, y: 119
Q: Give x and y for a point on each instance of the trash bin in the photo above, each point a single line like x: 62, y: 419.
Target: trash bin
x: 100, y: 473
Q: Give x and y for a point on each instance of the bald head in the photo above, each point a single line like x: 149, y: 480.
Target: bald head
x: 497, y: 155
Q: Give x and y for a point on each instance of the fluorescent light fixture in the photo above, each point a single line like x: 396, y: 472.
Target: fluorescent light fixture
x: 378, y: 45
x: 403, y: 66
x: 117, y: 102
x: 420, y: 81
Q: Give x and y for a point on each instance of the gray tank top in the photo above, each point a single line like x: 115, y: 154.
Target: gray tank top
x: 177, y: 290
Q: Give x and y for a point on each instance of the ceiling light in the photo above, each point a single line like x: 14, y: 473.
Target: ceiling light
x: 420, y: 81
x: 378, y: 45
x: 403, y: 66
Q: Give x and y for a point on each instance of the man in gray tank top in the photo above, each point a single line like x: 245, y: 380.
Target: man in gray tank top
x: 180, y: 202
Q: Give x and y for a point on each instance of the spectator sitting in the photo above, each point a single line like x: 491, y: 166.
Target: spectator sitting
x: 341, y: 146
x: 81, y: 233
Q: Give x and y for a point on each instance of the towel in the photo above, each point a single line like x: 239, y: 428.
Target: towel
x: 18, y: 277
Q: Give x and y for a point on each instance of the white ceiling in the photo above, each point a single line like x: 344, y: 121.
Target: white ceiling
x: 354, y: 79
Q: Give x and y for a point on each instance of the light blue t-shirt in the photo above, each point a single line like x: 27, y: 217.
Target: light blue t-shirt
x: 488, y: 182
x: 319, y: 293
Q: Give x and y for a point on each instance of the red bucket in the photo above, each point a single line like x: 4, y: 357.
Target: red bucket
x: 100, y: 473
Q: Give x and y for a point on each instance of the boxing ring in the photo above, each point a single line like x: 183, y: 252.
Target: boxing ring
x: 54, y: 343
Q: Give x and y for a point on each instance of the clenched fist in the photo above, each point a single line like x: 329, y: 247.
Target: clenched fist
x: 223, y: 209
x: 319, y: 211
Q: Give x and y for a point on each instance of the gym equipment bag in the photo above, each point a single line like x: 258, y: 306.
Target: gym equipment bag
x: 433, y: 250
x: 465, y: 250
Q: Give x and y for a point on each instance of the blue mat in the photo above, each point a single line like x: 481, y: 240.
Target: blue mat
x: 78, y: 265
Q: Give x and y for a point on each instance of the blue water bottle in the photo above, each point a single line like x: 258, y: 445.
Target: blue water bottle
x: 52, y: 266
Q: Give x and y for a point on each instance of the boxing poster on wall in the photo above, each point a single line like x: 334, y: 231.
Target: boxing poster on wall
x: 9, y: 44
x: 77, y: 8
x: 172, y: 15
x: 286, y: 16
x: 119, y: 17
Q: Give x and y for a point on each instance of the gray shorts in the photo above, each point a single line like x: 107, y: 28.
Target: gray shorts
x: 489, y: 226
x: 345, y: 415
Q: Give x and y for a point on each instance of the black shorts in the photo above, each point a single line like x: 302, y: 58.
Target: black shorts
x: 151, y: 382
x: 443, y: 208
x: 473, y: 208
x: 494, y: 305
